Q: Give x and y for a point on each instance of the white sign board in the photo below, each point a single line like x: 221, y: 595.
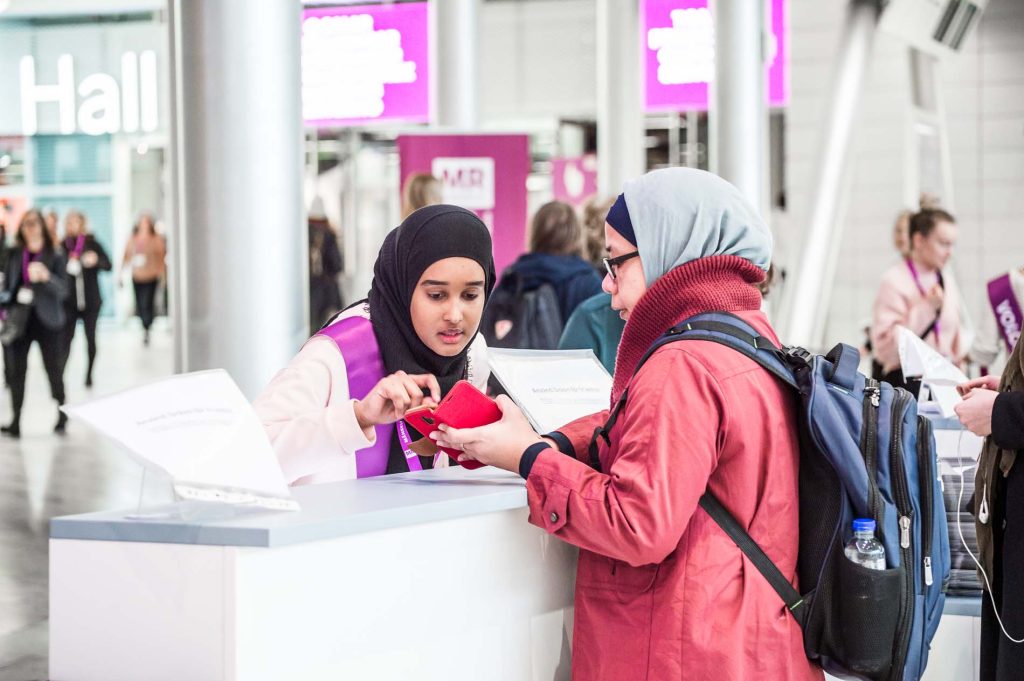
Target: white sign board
x: 466, y: 181
x: 552, y: 387
x: 200, y: 430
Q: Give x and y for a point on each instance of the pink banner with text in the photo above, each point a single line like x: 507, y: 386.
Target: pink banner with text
x: 484, y: 173
x: 366, y: 63
x: 678, y: 42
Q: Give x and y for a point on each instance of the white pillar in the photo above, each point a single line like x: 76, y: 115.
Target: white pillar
x: 809, y: 294
x: 457, y: 72
x: 240, y: 240
x: 738, y: 117
x: 620, y: 119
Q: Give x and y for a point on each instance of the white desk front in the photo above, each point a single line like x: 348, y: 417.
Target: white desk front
x: 435, y: 575
x: 432, y: 576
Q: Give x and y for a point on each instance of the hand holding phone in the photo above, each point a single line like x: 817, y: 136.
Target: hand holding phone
x: 463, y: 407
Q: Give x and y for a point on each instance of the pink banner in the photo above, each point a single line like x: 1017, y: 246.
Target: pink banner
x: 365, y: 63
x: 678, y: 42
x: 484, y: 173
x: 574, y: 180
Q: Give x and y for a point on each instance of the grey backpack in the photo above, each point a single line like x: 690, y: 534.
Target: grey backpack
x: 519, y: 318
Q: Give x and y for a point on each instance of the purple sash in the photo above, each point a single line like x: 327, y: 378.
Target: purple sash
x: 365, y: 367
x: 1006, y: 309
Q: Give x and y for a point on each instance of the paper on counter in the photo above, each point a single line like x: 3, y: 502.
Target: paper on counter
x: 199, y: 429
x: 937, y: 373
x: 552, y: 387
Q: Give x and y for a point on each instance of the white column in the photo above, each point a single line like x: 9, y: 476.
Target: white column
x: 738, y: 117
x: 808, y: 296
x: 240, y: 237
x: 458, y: 56
x: 620, y: 119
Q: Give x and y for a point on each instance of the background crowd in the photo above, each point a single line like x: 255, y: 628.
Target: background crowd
x: 50, y: 280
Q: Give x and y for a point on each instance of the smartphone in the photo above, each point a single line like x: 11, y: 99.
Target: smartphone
x: 463, y: 407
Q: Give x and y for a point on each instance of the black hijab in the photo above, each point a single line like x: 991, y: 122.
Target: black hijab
x: 426, y: 236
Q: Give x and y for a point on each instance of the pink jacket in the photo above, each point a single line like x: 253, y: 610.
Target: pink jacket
x: 661, y: 591
x: 901, y: 303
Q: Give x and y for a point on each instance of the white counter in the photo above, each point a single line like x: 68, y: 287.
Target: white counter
x: 436, y: 575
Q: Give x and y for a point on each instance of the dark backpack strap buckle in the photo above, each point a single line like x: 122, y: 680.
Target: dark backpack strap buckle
x: 798, y: 355
x: 594, y: 449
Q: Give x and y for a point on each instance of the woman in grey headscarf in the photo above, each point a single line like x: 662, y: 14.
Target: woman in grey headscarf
x: 660, y: 588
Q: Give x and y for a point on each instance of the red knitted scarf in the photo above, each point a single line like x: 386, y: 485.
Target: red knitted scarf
x: 719, y: 283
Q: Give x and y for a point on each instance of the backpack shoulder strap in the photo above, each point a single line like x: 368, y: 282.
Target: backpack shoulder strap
x: 719, y: 327
x: 730, y: 330
x: 789, y: 595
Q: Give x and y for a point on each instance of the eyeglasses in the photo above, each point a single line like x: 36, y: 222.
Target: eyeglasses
x: 611, y: 263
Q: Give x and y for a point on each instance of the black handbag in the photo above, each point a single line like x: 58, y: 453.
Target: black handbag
x: 14, y: 324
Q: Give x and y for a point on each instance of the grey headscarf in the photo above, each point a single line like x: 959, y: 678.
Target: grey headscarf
x: 681, y: 214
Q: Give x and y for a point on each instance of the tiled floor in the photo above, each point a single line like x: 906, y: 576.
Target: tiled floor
x: 43, y: 475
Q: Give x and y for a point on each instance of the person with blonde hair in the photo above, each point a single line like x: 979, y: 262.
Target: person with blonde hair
x: 555, y: 259
x: 915, y: 294
x: 86, y: 259
x: 594, y: 211
x: 420, y: 190
x: 901, y: 233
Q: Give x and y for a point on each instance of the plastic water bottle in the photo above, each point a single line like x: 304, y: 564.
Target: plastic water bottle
x: 864, y: 549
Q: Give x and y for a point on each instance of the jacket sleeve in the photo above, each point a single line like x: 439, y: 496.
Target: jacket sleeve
x: 308, y: 415
x: 57, y: 285
x: 103, y: 262
x: 667, y: 443
x: 10, y: 275
x: 1008, y: 420
x: 574, y: 437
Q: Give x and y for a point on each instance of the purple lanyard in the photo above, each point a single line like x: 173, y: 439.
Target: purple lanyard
x: 411, y: 457
x: 917, y: 281
x: 24, y: 266
x: 79, y: 245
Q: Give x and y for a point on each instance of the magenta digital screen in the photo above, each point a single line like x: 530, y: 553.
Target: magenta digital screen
x: 363, y: 64
x: 678, y: 42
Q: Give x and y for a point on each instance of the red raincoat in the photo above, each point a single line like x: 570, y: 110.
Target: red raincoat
x: 661, y: 591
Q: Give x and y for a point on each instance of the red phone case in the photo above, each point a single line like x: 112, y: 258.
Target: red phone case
x: 463, y: 407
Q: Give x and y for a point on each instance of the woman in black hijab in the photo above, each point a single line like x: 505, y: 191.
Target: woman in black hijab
x: 335, y: 411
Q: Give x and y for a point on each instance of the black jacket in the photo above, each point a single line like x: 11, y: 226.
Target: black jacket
x: 90, y: 277
x: 1008, y: 420
x: 48, y: 299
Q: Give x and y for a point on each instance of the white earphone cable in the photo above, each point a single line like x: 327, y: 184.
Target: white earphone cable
x: 960, y: 531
